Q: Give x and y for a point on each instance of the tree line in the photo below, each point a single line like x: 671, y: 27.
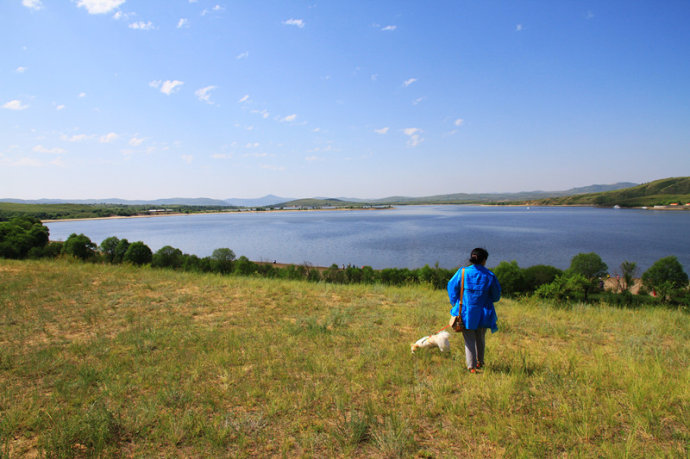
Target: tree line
x: 27, y: 237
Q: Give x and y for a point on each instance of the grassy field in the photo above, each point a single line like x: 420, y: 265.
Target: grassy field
x: 102, y: 360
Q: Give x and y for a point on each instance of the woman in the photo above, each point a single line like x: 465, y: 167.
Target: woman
x: 479, y: 291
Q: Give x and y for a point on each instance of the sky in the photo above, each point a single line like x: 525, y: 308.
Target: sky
x: 144, y: 99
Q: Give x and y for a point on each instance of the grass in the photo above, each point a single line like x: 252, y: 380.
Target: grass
x: 102, y: 360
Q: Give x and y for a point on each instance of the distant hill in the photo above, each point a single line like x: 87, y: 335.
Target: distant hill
x: 465, y: 198
x: 267, y: 200
x: 659, y: 192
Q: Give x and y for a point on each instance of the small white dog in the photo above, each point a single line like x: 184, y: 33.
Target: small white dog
x: 440, y: 339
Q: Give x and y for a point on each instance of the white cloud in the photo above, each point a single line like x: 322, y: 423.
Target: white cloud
x: 109, y: 137
x: 187, y: 158
x: 120, y: 15
x: 382, y: 130
x: 389, y: 28
x: 295, y: 22
x: 167, y: 87
x: 244, y: 99
x: 99, y: 6
x: 204, y: 94
x: 374, y: 77
x: 136, y: 141
x: 15, y: 105
x: 518, y: 28
x: 183, y: 22
x: 264, y: 113
x: 289, y: 118
x: 243, y: 55
x: 458, y: 122
x: 20, y: 69
x: 414, y: 137
x: 221, y: 156
x: 33, y: 4
x: 313, y: 158
x: 52, y: 151
x: 60, y: 107
x: 406, y: 83
x: 271, y: 167
x: 418, y: 101
x: 252, y: 145
x: 74, y: 138
x: 141, y: 25
x: 81, y: 95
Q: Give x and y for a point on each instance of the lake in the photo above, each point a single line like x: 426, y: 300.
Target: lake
x: 412, y: 236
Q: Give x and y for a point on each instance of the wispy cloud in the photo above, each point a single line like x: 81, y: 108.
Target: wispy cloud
x: 289, y: 118
x: 167, y: 87
x: 295, y: 22
x: 389, y: 28
x: 52, y: 151
x: 33, y: 4
x: 243, y: 55
x: 141, y: 25
x: 74, y: 138
x: 136, y: 141
x: 81, y: 95
x: 244, y: 99
x: 183, y: 22
x: 99, y: 6
x: 204, y: 94
x: 271, y: 167
x: 406, y: 83
x: 60, y: 107
x: 109, y: 137
x: 20, y: 69
x: 518, y: 28
x: 418, y: 101
x: 187, y: 158
x: 215, y: 9
x: 414, y: 136
x: 264, y: 113
x: 15, y: 105
x: 383, y: 130
x: 458, y: 122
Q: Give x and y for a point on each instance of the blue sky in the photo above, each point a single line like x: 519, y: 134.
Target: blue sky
x: 229, y: 98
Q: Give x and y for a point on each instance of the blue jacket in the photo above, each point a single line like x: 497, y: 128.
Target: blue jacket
x: 480, y: 291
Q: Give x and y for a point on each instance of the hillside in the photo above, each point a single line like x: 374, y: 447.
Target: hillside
x: 659, y: 192
x: 117, y: 361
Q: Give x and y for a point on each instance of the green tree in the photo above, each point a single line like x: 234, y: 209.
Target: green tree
x: 564, y: 287
x: 221, y: 260
x: 510, y: 276
x: 79, y: 246
x: 108, y: 247
x: 120, y: 250
x: 665, y: 276
x: 591, y: 267
x: 538, y: 275
x: 167, y: 257
x: 21, y: 234
x: 628, y: 273
x: 138, y: 253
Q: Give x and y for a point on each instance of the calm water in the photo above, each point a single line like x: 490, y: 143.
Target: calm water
x: 412, y: 236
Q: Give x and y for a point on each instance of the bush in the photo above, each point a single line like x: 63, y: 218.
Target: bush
x: 538, y: 275
x: 221, y: 260
x: 138, y: 253
x: 20, y: 234
x: 79, y: 246
x: 511, y: 277
x: 167, y: 257
x: 564, y: 287
x: 665, y: 276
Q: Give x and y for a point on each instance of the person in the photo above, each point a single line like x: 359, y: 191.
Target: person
x: 480, y: 290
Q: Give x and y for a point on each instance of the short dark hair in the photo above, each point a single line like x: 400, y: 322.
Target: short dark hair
x: 478, y: 256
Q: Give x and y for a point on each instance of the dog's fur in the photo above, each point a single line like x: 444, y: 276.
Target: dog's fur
x: 440, y: 339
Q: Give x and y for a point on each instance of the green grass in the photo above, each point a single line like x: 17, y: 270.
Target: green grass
x: 100, y: 360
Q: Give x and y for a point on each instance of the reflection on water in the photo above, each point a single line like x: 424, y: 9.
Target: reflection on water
x: 412, y: 236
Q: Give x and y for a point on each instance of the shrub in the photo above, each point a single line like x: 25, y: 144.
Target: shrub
x: 138, y: 253
x: 511, y: 277
x: 665, y: 276
x: 538, y: 275
x: 221, y: 260
x: 167, y: 257
x: 20, y: 234
x: 79, y: 246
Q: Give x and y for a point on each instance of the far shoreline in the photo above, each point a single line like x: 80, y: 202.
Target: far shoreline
x: 252, y: 211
